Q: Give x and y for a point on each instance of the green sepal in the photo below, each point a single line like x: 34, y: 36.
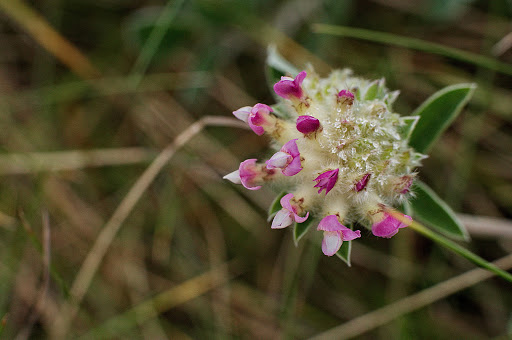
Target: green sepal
x: 275, y: 206
x: 437, y: 113
x: 431, y: 209
x: 345, y: 250
x: 300, y: 229
x: 408, y: 127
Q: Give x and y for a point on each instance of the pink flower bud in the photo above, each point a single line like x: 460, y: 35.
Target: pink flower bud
x: 361, y: 184
x: 327, y: 180
x: 290, y: 88
x: 307, y: 124
x: 346, y: 97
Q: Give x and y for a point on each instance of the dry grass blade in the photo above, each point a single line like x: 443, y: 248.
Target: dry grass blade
x: 106, y: 236
x: 39, y: 304
x: 50, y: 39
x: 27, y: 163
x: 411, y: 303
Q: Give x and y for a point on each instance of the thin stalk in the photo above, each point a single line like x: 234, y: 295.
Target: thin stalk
x: 415, y: 44
x: 443, y: 241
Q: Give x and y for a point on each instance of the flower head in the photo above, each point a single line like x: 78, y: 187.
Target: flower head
x: 326, y: 180
x: 334, y: 234
x: 290, y: 88
x: 388, y: 226
x: 287, y: 159
x: 357, y: 147
x: 288, y: 214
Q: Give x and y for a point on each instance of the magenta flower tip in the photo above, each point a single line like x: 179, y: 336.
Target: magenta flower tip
x: 326, y: 180
x: 361, y: 184
x: 307, y: 124
x: 389, y: 226
x: 346, y: 93
x: 289, y: 88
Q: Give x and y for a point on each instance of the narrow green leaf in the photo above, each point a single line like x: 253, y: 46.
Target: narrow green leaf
x: 431, y: 209
x: 345, y: 250
x: 408, y: 127
x: 300, y: 229
x: 277, y: 67
x: 275, y: 206
x: 437, y: 113
x: 372, y: 90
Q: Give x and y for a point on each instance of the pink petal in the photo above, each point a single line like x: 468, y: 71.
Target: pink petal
x: 348, y: 235
x: 331, y: 243
x: 257, y: 129
x: 299, y: 219
x: 291, y: 148
x: 300, y: 78
x: 285, y: 202
x: 279, y: 160
x: 282, y: 219
x: 293, y: 168
x: 248, y: 173
x: 330, y: 223
x: 388, y: 227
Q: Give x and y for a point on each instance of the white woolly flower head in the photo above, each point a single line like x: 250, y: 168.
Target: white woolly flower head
x: 341, y: 150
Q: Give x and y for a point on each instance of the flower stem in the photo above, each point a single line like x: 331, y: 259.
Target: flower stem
x: 460, y: 250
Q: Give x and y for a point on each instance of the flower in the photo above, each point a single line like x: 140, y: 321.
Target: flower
x: 326, y: 180
x: 288, y: 159
x: 257, y: 117
x: 361, y: 184
x: 288, y: 214
x: 334, y: 234
x: 307, y: 124
x: 290, y: 88
x: 388, y: 226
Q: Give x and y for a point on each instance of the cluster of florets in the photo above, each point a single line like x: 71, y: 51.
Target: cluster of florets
x: 343, y: 154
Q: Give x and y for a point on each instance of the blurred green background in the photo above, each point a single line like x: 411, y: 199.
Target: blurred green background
x: 92, y: 92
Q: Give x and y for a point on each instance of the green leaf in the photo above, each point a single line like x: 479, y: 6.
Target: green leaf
x: 345, y: 250
x: 408, y: 127
x: 300, y: 229
x: 277, y: 67
x: 431, y: 209
x: 275, y: 206
x: 437, y: 113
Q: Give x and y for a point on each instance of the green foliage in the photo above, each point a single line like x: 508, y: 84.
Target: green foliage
x: 345, y: 250
x: 437, y: 113
x: 431, y: 209
x: 275, y: 206
x: 300, y: 229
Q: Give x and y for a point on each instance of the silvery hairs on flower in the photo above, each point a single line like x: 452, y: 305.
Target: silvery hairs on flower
x: 343, y: 155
